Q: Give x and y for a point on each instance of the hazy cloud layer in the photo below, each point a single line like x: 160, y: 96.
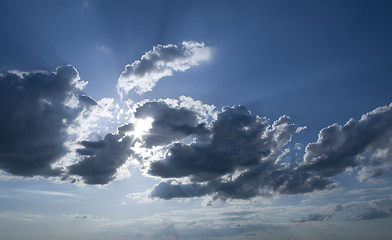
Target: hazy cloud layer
x: 353, y: 211
x: 380, y: 208
x: 142, y: 75
x: 365, y: 142
x: 35, y: 113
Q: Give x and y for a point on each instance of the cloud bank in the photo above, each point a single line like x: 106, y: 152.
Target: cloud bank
x: 193, y: 149
x: 142, y: 75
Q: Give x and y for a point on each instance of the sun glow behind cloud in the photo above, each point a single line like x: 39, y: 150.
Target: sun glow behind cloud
x: 142, y: 126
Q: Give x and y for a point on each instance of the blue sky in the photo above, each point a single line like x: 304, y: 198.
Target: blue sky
x: 195, y: 119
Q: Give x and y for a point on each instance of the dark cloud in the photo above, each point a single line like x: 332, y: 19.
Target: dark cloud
x: 257, y: 181
x: 169, y: 123
x: 241, y: 142
x: 34, y: 119
x: 169, y: 190
x: 236, y: 142
x: 340, y: 147
x: 101, y: 159
x: 87, y: 100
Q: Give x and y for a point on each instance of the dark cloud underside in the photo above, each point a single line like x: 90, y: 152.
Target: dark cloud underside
x: 169, y: 123
x: 238, y: 141
x: 341, y: 147
x: 33, y: 120
x: 101, y: 159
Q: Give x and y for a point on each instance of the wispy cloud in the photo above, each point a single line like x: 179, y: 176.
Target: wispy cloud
x: 20, y: 216
x: 87, y: 217
x: 47, y: 193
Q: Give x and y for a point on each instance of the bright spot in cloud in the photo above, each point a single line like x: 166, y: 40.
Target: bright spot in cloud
x: 142, y: 126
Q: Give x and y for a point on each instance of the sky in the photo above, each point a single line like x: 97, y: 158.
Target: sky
x: 195, y: 119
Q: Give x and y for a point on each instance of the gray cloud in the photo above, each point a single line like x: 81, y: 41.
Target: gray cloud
x: 143, y: 74
x: 370, y: 213
x: 375, y: 209
x: 34, y: 119
x: 341, y: 147
x: 101, y: 159
x: 169, y: 123
x: 312, y: 218
x: 168, y: 190
x: 238, y: 142
x: 257, y: 181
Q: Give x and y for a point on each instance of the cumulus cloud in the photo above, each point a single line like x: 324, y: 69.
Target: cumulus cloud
x: 236, y: 141
x: 142, y: 75
x: 169, y: 123
x: 101, y: 159
x: 230, y: 154
x: 35, y: 111
x: 366, y: 142
x: 240, y: 159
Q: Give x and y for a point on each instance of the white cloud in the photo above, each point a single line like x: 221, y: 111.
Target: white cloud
x: 300, y: 129
x: 142, y: 75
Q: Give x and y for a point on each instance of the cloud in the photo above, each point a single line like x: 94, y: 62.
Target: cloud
x: 312, y: 218
x: 35, y: 113
x: 168, y: 190
x: 235, y: 142
x: 101, y: 159
x: 230, y: 154
x: 371, y: 213
x: 142, y: 75
x: 260, y: 181
x: 20, y: 216
x: 369, y: 210
x: 240, y: 159
x: 47, y: 193
x: 375, y: 209
x: 366, y: 142
x: 87, y: 217
x: 169, y: 123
